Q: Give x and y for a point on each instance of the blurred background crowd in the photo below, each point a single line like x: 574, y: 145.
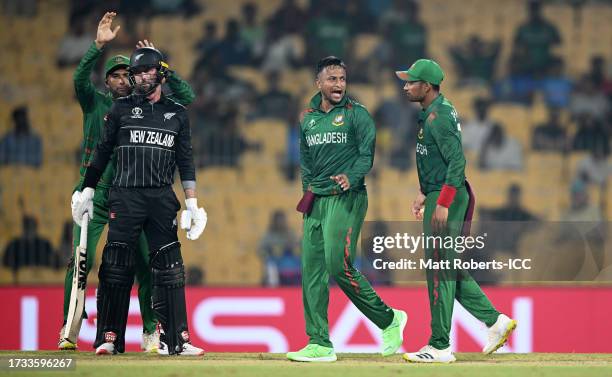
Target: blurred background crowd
x: 531, y: 80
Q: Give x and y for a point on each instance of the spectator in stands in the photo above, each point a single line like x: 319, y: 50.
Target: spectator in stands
x: 550, y: 136
x: 209, y: 42
x: 278, y: 249
x: 74, y: 44
x: 224, y: 145
x: 587, y: 99
x: 194, y: 276
x: 233, y: 50
x: 408, y: 34
x: 500, y: 151
x: 581, y: 209
x: 289, y: 18
x: 186, y: 8
x: 22, y: 8
x: 274, y: 103
x: 506, y: 225
x: 29, y: 249
x: 513, y: 210
x: 21, y: 146
x: 596, y: 167
x: 590, y: 133
x: 519, y: 86
x: 475, y: 131
x: 291, y: 165
x: 399, y: 119
x: 557, y: 87
x: 252, y: 32
x: 475, y: 60
x: 536, y: 38
x: 64, y: 251
x: 598, y: 75
x: 328, y: 32
x: 282, y: 50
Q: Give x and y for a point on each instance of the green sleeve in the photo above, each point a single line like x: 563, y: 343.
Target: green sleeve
x: 448, y: 139
x: 305, y: 162
x: 83, y: 87
x: 365, y: 136
x: 181, y: 90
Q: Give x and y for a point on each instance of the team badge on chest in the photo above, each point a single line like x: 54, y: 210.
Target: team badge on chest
x: 338, y: 120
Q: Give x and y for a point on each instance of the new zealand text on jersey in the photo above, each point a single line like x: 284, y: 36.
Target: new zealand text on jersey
x: 327, y: 138
x: 151, y: 137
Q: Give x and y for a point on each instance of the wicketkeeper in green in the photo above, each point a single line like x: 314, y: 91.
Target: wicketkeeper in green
x: 444, y: 202
x: 337, y: 141
x: 95, y: 106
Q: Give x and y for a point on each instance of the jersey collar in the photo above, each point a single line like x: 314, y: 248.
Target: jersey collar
x: 425, y: 112
x: 315, y: 102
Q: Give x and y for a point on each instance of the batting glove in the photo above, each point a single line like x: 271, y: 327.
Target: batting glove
x: 193, y: 219
x: 83, y: 202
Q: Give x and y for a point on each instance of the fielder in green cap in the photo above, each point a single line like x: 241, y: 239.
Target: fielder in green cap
x: 95, y: 106
x: 443, y: 202
x: 337, y: 140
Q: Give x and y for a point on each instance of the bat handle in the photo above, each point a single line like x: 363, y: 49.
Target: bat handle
x: 84, y: 224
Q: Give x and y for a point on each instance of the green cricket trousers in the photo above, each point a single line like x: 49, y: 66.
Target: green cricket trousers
x: 329, y: 244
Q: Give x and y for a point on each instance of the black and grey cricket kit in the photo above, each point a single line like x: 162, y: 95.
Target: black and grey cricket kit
x: 150, y: 141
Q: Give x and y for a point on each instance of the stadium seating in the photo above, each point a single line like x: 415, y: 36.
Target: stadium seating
x: 241, y: 200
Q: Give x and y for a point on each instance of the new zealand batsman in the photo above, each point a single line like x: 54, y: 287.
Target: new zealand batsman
x: 95, y: 105
x: 445, y: 197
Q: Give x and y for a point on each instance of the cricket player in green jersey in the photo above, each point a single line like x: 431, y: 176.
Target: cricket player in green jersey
x: 337, y: 138
x: 443, y: 201
x: 95, y: 106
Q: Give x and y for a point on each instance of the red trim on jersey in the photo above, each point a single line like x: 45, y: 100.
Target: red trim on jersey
x: 304, y: 112
x: 447, y: 194
x: 347, y: 272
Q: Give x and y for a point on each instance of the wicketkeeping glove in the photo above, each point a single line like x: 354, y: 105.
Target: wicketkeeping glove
x: 193, y: 219
x: 82, y: 202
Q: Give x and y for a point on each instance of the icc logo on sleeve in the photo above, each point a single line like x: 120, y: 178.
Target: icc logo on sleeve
x: 136, y: 113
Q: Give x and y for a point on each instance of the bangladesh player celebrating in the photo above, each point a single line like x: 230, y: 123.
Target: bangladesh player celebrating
x: 443, y: 204
x: 95, y: 106
x: 337, y: 137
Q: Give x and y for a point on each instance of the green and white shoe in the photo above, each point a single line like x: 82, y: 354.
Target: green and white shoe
x: 393, y: 335
x: 313, y: 353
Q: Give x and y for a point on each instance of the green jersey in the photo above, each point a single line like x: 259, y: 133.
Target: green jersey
x: 340, y: 141
x: 439, y: 155
x: 96, y: 104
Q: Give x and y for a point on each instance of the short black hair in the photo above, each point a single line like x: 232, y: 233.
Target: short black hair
x: 435, y: 87
x: 328, y: 62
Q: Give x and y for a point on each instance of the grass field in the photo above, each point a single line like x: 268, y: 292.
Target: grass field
x: 348, y: 365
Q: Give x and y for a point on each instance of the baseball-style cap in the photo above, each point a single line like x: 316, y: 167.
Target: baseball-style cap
x: 117, y: 61
x: 423, y: 70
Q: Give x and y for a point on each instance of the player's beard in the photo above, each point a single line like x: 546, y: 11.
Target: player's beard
x: 121, y: 93
x: 415, y: 98
x: 146, y: 87
x: 329, y: 97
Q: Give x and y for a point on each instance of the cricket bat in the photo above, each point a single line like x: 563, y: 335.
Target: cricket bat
x: 79, y: 282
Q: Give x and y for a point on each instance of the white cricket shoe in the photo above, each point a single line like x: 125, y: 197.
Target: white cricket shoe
x: 108, y: 347
x: 429, y: 354
x: 188, y: 350
x: 498, y: 334
x: 64, y: 344
x: 150, y: 342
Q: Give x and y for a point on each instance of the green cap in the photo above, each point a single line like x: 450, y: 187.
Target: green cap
x: 423, y: 70
x: 115, y: 62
